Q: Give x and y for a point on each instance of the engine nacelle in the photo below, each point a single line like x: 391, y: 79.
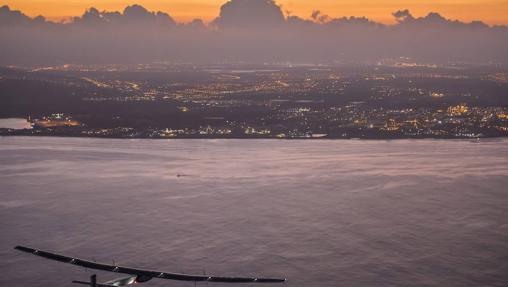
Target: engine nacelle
x: 143, y: 278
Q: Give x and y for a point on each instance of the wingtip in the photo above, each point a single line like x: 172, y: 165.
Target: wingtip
x: 24, y: 249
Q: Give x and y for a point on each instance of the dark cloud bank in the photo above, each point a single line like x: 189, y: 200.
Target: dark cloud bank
x: 245, y: 30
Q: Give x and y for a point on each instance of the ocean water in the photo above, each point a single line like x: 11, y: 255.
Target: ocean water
x: 14, y: 123
x: 320, y: 213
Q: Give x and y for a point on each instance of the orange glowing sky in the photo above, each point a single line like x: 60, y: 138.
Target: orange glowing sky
x: 489, y: 11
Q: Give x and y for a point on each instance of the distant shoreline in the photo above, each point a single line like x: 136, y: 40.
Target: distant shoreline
x: 259, y: 138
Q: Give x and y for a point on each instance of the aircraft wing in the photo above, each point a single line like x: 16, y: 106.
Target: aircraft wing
x: 141, y: 273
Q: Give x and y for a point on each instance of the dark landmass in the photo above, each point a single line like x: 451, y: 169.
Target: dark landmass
x: 395, y: 99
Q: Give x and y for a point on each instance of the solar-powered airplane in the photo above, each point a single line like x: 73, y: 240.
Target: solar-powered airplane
x: 139, y: 275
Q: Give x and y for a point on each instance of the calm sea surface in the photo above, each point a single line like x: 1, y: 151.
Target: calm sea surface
x: 321, y: 213
x: 14, y: 123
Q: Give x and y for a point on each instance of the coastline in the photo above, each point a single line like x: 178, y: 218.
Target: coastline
x: 3, y: 135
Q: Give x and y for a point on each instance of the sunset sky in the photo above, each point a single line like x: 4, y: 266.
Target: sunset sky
x: 489, y: 11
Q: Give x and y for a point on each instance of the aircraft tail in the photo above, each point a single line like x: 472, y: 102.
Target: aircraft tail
x: 93, y: 282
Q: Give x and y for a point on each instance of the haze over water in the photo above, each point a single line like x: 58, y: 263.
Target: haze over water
x: 321, y: 213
